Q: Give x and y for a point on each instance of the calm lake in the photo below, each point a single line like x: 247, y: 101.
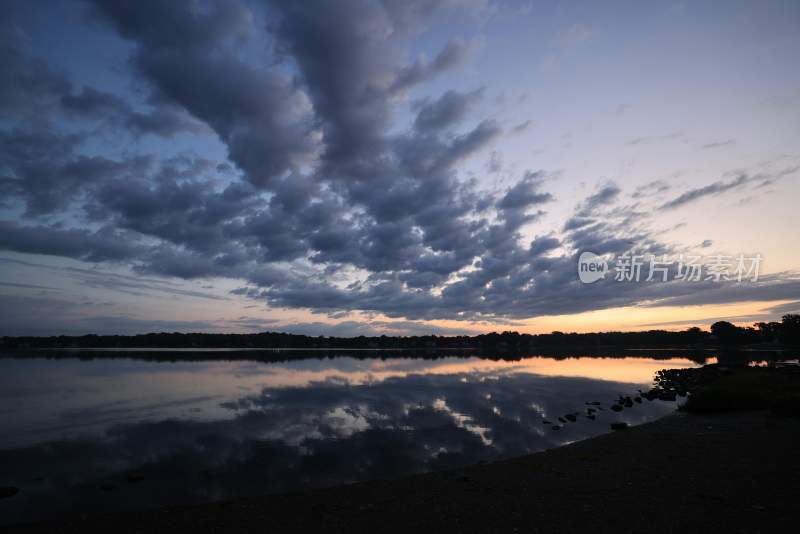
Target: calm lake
x: 93, y: 431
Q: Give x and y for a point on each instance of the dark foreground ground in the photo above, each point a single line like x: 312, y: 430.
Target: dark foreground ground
x: 734, y: 472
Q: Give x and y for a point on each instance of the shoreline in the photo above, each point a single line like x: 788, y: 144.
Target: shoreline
x: 737, y: 472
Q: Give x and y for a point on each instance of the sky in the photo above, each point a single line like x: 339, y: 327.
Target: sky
x: 396, y: 167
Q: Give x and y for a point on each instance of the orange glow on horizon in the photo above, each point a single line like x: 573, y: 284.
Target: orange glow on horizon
x: 635, y: 318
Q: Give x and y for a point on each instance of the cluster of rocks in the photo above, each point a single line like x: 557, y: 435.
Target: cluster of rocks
x: 589, y: 413
x: 669, y: 385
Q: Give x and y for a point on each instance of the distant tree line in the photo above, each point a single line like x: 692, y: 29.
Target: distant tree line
x: 785, y: 332
x: 723, y: 333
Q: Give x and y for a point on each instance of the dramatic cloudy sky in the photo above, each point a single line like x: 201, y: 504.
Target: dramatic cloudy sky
x: 394, y: 167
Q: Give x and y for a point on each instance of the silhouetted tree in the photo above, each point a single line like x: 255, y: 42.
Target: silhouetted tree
x: 790, y: 329
x: 726, y: 333
x: 768, y: 332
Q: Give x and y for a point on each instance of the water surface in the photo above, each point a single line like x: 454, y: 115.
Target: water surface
x: 80, y: 434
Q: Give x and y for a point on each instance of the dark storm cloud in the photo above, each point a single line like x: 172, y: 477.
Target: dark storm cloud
x: 42, y: 167
x: 513, y: 207
x: 406, y: 186
x: 106, y: 244
x: 712, y: 189
x: 521, y: 127
x: 187, y: 52
x: 30, y: 88
x: 507, y: 279
x: 325, y: 203
x: 722, y: 186
x: 573, y: 223
x: 27, y: 85
x: 588, y: 210
x: 454, y: 53
x: 181, y: 203
x: 347, y: 68
x: 656, y: 187
x: 606, y: 195
x: 90, y: 101
x: 542, y: 245
x: 447, y: 110
x: 348, y: 72
x: 163, y: 120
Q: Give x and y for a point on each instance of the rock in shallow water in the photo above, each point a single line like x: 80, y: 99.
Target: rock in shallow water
x: 8, y: 491
x: 619, y: 425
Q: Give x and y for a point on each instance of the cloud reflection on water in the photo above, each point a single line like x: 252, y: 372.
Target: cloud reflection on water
x: 304, y: 424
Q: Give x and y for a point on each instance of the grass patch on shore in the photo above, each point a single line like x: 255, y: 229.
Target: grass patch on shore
x: 747, y: 388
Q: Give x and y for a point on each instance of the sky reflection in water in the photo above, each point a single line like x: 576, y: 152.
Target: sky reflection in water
x: 71, y: 430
